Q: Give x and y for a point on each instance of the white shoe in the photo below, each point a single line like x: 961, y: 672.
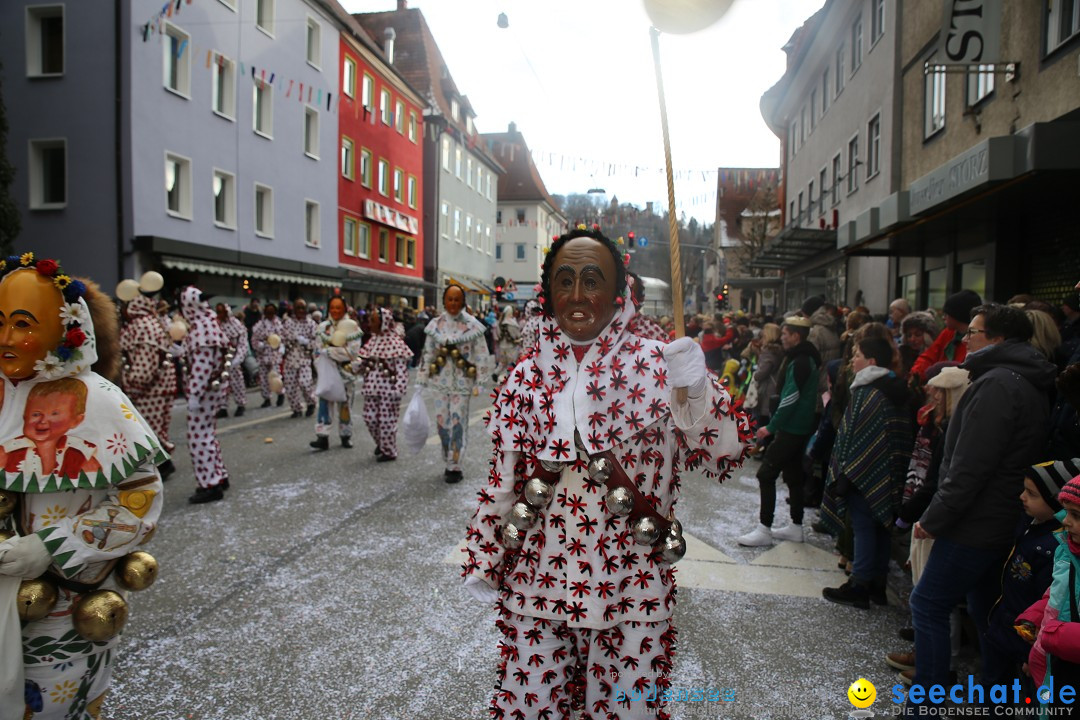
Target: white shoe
x: 757, y: 537
x: 791, y: 533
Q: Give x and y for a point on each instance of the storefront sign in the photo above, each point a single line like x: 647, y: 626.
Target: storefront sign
x: 389, y: 216
x: 988, y: 161
x: 971, y: 32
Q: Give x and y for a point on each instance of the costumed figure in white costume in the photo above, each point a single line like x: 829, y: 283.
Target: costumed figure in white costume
x: 148, y: 375
x: 206, y: 351
x: 266, y: 342
x: 385, y: 364
x: 298, y: 335
x: 455, y: 356
x: 237, y: 334
x: 79, y: 494
x: 575, y: 534
x: 530, y: 331
x: 509, y: 339
x: 339, y: 340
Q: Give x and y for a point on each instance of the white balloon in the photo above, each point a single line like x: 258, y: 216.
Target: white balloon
x: 273, y: 340
x: 348, y: 326
x: 151, y: 281
x: 178, y: 331
x: 338, y: 338
x: 127, y: 290
x: 680, y: 17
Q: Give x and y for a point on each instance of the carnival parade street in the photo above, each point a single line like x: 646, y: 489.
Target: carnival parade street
x: 326, y: 585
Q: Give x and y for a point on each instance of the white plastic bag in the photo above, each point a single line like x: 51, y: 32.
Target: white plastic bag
x: 330, y: 387
x: 416, y: 425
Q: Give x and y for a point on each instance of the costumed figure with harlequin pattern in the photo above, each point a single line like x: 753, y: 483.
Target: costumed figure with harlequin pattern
x: 574, y: 536
x: 205, y: 352
x: 455, y: 357
x: 385, y: 365
x: 298, y: 336
x: 266, y: 342
x: 338, y: 340
x: 239, y: 347
x: 80, y: 493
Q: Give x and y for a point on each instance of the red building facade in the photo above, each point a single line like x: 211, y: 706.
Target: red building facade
x: 380, y: 177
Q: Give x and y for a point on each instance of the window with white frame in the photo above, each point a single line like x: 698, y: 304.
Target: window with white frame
x: 488, y: 194
x: 479, y: 235
x: 264, y: 15
x: 1062, y: 22
x: 813, y: 107
x: 365, y: 167
x: 263, y: 109
x: 48, y: 174
x: 311, y: 223
x: 367, y: 92
x: 873, y: 147
x: 45, y: 40
x: 468, y: 230
x: 823, y: 176
x: 348, y: 77
x: 412, y: 126
x: 839, y: 70
x: 314, y: 43
x: 411, y: 194
x: 347, y: 159
x: 468, y: 125
x: 384, y: 177
x: 399, y: 184
x: 384, y: 245
x: 224, y: 189
x: 446, y: 153
x: 519, y: 251
x: 457, y: 224
x: 311, y: 132
x: 980, y: 83
x: 853, y: 163
x: 877, y: 20
x: 810, y: 200
x: 498, y: 217
x: 934, y: 100
x: 802, y: 125
x: 384, y: 106
x: 837, y: 176
x: 479, y: 178
x: 444, y: 220
x: 520, y: 212
x: 363, y: 240
x: 178, y: 186
x: 399, y: 117
x: 223, y: 86
x: 487, y: 238
x: 176, y: 60
x: 468, y: 171
x: 348, y: 235
x: 824, y: 90
x: 455, y: 110
x: 856, y: 43
x: 399, y: 250
x: 498, y: 251
x: 799, y: 217
x: 458, y: 161
x: 264, y: 211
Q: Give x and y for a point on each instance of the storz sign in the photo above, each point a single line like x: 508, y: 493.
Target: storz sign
x: 971, y: 33
x: 988, y: 161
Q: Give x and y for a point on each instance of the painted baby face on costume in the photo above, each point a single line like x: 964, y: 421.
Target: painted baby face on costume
x: 30, y: 325
x: 48, y: 418
x: 583, y: 288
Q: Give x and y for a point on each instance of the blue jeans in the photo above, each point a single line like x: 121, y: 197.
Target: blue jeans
x: 872, y: 541
x: 953, y: 573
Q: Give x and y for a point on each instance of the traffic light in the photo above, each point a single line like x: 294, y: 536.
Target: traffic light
x: 630, y: 238
x: 727, y: 289
x: 500, y: 286
x: 719, y: 298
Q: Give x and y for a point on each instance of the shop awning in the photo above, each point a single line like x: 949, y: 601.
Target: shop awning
x: 793, y: 246
x: 202, y: 266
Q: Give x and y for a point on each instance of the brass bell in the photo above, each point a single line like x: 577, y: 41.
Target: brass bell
x: 512, y: 537
x: 538, y: 493
x: 551, y: 466
x: 646, y: 531
x: 673, y: 549
x: 440, y: 360
x: 619, y: 501
x: 100, y: 615
x: 137, y: 570
x: 433, y: 369
x: 7, y: 503
x: 36, y: 599
x: 600, y: 469
x: 471, y: 372
x: 455, y: 353
x: 460, y: 362
x: 522, y: 516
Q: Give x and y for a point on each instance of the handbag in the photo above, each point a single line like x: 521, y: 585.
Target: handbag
x: 415, y: 425
x: 751, y: 400
x: 329, y: 387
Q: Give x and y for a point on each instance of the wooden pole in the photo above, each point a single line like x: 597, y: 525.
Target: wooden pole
x: 673, y: 223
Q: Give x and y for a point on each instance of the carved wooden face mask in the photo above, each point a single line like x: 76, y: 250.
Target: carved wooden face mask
x: 30, y: 324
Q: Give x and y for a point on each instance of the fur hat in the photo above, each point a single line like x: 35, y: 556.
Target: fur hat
x: 797, y: 321
x: 954, y: 381
x: 959, y: 305
x: 1051, y: 477
x: 1070, y: 493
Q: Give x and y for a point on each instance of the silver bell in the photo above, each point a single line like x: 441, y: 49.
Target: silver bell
x: 551, y: 466
x: 215, y: 384
x: 512, y: 537
x: 619, y: 501
x: 228, y: 356
x: 538, y: 493
x: 228, y: 362
x: 673, y: 549
x: 522, y: 516
x: 646, y: 531
x: 600, y: 469
x: 225, y: 376
x: 127, y: 368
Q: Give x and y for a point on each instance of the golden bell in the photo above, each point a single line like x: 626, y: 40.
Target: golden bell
x: 7, y: 503
x: 100, y: 615
x: 137, y: 570
x: 460, y: 362
x: 440, y: 360
x: 433, y: 369
x: 471, y: 372
x: 36, y: 599
x: 455, y: 353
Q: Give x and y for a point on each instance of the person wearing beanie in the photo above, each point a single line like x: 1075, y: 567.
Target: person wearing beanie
x: 998, y: 429
x: 1051, y: 623
x: 1027, y: 572
x: 949, y: 345
x: 811, y: 304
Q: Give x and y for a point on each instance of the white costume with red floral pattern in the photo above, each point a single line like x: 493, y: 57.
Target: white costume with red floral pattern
x: 386, y: 376
x: 149, y: 376
x: 580, y: 576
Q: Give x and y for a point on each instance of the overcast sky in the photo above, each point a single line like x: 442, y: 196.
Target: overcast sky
x: 577, y: 77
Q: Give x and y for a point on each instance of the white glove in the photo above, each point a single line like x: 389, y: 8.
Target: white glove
x: 281, y: 348
x: 302, y: 340
x: 192, y: 405
x: 479, y: 589
x: 338, y: 354
x: 686, y: 364
x: 176, y: 351
x: 24, y: 556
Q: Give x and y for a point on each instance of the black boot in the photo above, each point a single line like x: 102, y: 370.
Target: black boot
x: 310, y: 411
x: 850, y: 593
x: 321, y: 442
x: 266, y: 403
x: 295, y: 414
x: 877, y: 592
x: 222, y: 413
x: 378, y: 452
x: 346, y: 442
x: 239, y: 411
x: 206, y: 494
x: 166, y: 469
x: 387, y: 458
x: 280, y: 400
x: 452, y: 476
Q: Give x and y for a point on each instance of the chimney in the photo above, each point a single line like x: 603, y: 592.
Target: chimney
x: 402, y: 4
x: 388, y: 44
x: 513, y: 127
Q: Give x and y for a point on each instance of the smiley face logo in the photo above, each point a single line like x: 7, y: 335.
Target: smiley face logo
x: 862, y: 693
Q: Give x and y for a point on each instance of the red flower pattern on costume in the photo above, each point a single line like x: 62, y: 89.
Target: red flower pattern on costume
x: 75, y: 337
